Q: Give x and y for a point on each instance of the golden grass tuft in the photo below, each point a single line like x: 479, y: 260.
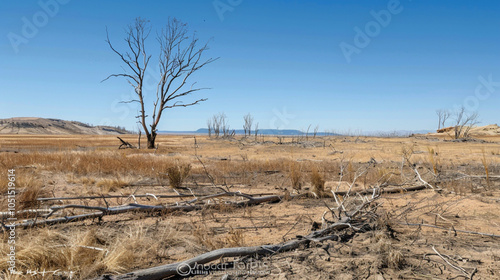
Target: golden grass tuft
x: 296, y: 175
x: 317, y: 182
x: 177, y: 175
x: 30, y: 189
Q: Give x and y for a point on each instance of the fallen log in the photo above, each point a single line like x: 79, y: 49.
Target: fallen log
x: 185, y: 267
x: 135, y: 195
x: 134, y: 207
x: 125, y: 144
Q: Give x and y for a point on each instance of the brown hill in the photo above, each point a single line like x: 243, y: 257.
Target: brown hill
x: 487, y: 130
x: 53, y: 126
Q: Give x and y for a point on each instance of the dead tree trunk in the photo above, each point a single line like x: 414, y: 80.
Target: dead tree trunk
x: 151, y: 140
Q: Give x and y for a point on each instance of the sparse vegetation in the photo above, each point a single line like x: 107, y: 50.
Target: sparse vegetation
x: 465, y: 173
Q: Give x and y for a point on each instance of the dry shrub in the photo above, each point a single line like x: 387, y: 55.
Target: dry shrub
x: 177, y: 175
x: 434, y: 161
x: 296, y: 175
x: 317, y: 182
x: 389, y: 256
x: 30, y: 189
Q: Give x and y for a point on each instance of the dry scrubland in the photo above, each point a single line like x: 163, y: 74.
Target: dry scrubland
x: 464, y: 175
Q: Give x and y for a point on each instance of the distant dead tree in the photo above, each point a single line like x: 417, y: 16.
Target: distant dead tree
x: 220, y: 125
x: 224, y: 125
x: 247, y: 127
x: 209, y: 126
x: 216, y: 125
x: 464, y: 122
x: 256, y: 131
x: 179, y: 58
x: 443, y: 115
x: 315, y: 131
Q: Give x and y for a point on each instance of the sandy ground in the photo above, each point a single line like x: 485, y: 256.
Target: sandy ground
x: 389, y: 250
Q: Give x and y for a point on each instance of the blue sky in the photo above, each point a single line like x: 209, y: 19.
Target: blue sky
x: 281, y: 61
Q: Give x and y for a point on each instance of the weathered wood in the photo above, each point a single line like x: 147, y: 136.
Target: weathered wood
x: 169, y: 270
x: 125, y: 144
x: 135, y: 195
x: 133, y: 207
x: 185, y: 267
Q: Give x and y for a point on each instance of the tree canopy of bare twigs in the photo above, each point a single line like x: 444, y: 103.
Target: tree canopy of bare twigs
x: 180, y: 57
x: 247, y: 127
x: 464, y: 122
x: 219, y: 125
x: 443, y: 116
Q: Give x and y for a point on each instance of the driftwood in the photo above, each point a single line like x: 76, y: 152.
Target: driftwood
x: 185, y: 267
x: 134, y: 207
x: 127, y: 196
x: 125, y: 144
x: 161, y: 272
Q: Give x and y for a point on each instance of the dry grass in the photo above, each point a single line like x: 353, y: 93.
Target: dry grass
x: 317, y: 182
x: 93, y: 251
x: 119, y: 244
x: 295, y: 174
x: 107, y: 185
x: 177, y: 175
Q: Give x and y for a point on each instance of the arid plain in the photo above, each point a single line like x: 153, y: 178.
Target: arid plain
x: 427, y: 207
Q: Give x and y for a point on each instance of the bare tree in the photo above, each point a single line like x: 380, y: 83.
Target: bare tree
x: 216, y: 125
x: 224, y: 125
x: 315, y: 131
x: 209, y: 126
x: 180, y: 57
x: 443, y: 115
x: 256, y: 130
x: 247, y: 127
x: 464, y: 122
x: 220, y: 125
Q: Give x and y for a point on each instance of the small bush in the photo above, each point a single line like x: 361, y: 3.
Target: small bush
x: 296, y: 176
x: 177, y: 175
x: 317, y: 182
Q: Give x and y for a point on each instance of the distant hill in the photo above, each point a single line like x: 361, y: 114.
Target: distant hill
x: 54, y: 126
x: 487, y: 130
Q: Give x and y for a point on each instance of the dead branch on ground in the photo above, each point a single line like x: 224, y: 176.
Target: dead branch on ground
x: 134, y: 207
x: 355, y: 219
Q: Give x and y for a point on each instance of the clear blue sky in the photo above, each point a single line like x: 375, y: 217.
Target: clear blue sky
x: 282, y: 61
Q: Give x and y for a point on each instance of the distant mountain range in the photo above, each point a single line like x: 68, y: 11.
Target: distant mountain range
x: 295, y: 132
x: 287, y: 132
x: 54, y: 126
